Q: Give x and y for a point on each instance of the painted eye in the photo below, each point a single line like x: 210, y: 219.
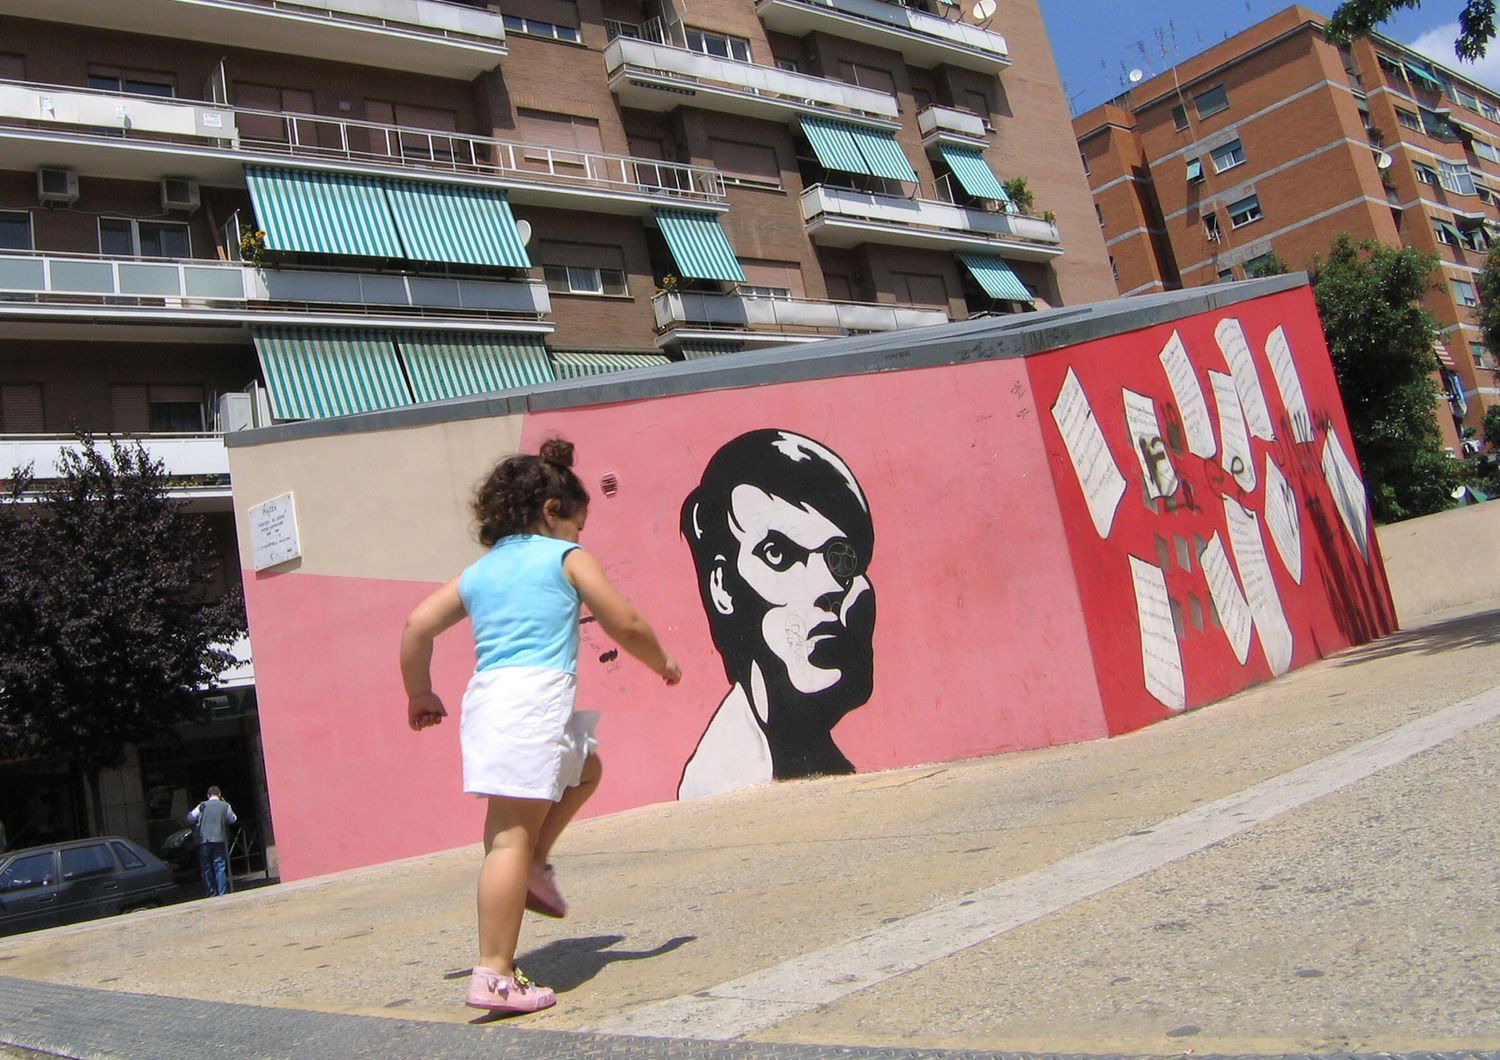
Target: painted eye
x: 775, y: 553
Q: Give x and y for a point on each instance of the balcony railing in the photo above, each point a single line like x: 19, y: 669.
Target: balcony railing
x: 29, y: 279
x: 952, y: 125
x: 850, y: 217
x: 640, y: 69
x: 728, y: 312
x: 181, y: 455
x: 923, y: 39
x: 420, y: 36
x: 115, y: 114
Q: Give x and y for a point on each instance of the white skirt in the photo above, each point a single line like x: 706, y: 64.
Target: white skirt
x: 519, y: 733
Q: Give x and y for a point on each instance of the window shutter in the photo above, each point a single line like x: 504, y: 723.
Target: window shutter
x: 130, y: 408
x: 21, y: 408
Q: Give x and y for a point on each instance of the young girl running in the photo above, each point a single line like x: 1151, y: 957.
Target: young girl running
x: 524, y: 747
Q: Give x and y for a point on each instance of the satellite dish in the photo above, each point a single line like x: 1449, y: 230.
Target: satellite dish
x: 1135, y: 77
x: 983, y: 10
x: 523, y: 229
x: 1383, y: 160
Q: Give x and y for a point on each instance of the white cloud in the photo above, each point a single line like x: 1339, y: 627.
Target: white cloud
x: 1437, y: 44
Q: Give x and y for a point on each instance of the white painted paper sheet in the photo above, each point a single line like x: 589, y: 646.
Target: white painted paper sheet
x: 1149, y: 445
x: 1236, y: 350
x: 1161, y: 658
x: 1188, y: 393
x: 1098, y: 477
x: 1289, y: 383
x: 1282, y: 520
x: 1234, y: 452
x: 1229, y: 602
x: 1260, y: 587
x: 1348, y: 492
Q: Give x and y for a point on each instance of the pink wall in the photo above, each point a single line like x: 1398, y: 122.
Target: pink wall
x: 1004, y: 620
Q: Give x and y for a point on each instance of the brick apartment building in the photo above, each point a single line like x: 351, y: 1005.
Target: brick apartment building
x: 1276, y: 141
x: 224, y: 214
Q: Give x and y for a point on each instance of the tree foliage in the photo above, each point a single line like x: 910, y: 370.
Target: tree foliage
x: 1487, y: 283
x: 1356, y: 18
x: 1381, y: 341
x: 1266, y: 265
x: 107, y: 624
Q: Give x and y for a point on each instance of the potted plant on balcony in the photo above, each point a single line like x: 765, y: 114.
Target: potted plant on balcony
x: 1019, y: 193
x: 253, y: 246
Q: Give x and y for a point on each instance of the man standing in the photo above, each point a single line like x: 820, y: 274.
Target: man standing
x: 781, y: 538
x: 212, y: 818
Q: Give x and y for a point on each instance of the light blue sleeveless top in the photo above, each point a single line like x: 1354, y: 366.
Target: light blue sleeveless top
x: 523, y: 608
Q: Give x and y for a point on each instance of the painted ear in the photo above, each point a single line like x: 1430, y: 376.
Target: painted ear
x: 723, y: 602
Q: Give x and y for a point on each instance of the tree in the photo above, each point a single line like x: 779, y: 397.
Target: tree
x: 1487, y: 283
x: 107, y: 623
x: 1356, y: 18
x: 1267, y: 264
x: 1380, y: 338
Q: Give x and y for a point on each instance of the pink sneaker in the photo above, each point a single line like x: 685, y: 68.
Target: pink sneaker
x: 498, y: 993
x: 542, y: 895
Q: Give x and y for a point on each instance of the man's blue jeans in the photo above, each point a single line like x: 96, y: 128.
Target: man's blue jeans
x: 213, y: 866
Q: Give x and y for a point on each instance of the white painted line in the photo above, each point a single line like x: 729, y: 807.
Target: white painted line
x: 803, y: 984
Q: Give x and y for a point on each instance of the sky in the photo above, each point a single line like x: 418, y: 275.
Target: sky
x: 1097, y: 42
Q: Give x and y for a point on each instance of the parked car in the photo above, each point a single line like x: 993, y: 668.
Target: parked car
x: 66, y: 882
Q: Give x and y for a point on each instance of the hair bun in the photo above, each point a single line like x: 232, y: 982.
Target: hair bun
x: 558, y: 452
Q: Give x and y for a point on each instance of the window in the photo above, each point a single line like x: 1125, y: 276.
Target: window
x: 912, y: 288
x: 871, y: 77
x: 1211, y: 102
x: 34, y: 870
x: 1255, y: 266
x: 1211, y: 227
x: 136, y: 408
x: 1194, y: 170
x: 1114, y: 269
x: 21, y: 408
x: 1478, y: 352
x: 1489, y: 110
x: 765, y: 278
x: 127, y: 857
x: 746, y: 163
x: 1226, y: 275
x: 1455, y: 177
x: 1099, y: 214
x: 1228, y: 156
x: 1426, y: 174
x: 12, y: 67
x: 1179, y: 117
x: 1485, y: 151
x: 584, y: 279
x: 789, y: 65
x: 750, y: 290
x: 725, y: 47
x: 1243, y: 212
x: 140, y: 84
x: 1463, y: 292
x: 1445, y: 233
x: 1392, y: 67
x: 92, y: 860
x: 1408, y: 118
x: 1466, y: 101
x: 124, y: 237
x: 535, y: 27
x: 15, y: 230
x: 1085, y: 160
x: 1437, y: 126
x: 565, y: 132
x: 276, y: 102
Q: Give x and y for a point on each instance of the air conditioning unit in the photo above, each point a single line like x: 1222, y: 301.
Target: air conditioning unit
x: 178, y: 193
x: 56, y: 186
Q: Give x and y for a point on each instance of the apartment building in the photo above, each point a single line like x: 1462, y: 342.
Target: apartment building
x: 1276, y: 141
x: 221, y: 214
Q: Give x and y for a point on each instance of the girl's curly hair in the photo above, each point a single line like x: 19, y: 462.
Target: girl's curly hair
x: 511, y: 498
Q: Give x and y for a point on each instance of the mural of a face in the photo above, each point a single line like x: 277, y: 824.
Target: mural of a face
x: 781, y: 538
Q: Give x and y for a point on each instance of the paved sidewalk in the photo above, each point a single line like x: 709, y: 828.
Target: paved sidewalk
x: 1306, y: 868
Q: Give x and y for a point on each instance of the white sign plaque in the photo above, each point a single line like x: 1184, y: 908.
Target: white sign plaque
x: 273, y: 532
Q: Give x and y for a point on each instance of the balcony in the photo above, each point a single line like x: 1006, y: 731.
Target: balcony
x: 922, y: 39
x: 692, y: 315
x: 37, y: 285
x: 951, y: 125
x: 661, y: 77
x: 182, y: 455
x: 841, y: 217
x: 122, y: 136
x: 418, y: 36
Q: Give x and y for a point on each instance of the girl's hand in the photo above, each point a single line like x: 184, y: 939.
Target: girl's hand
x: 424, y: 710
x: 671, y: 673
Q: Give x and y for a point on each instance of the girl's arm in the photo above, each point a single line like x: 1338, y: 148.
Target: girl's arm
x: 440, y: 611
x: 616, y: 616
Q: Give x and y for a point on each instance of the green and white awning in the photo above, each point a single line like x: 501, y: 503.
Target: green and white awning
x: 973, y: 173
x: 322, y: 213
x: 699, y: 245
x: 578, y: 364
x: 456, y: 223
x: 995, y: 276
x: 444, y: 365
x: 1416, y: 73
x: 851, y: 148
x: 697, y: 350
x: 314, y: 373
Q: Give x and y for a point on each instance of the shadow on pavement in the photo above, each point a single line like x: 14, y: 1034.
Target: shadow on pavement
x: 567, y: 964
x: 1467, y: 631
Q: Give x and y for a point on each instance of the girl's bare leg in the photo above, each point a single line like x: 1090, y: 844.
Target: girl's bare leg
x: 563, y: 809
x: 511, y: 827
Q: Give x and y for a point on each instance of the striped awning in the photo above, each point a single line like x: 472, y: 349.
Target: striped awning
x: 1440, y: 348
x: 456, y: 223
x: 322, y: 213
x: 693, y: 351
x: 973, y: 173
x: 833, y: 143
x: 699, y: 245
x: 576, y: 364
x: 314, y: 373
x: 1416, y: 72
x: 882, y: 153
x: 995, y: 276
x: 448, y: 364
x: 1453, y: 232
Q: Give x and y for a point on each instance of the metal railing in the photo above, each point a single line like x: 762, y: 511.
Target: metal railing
x: 746, y: 312
x: 449, y: 19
